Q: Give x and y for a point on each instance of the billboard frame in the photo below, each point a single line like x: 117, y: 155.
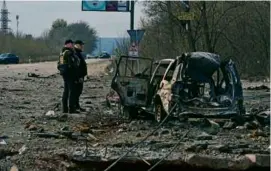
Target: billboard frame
x: 128, y: 3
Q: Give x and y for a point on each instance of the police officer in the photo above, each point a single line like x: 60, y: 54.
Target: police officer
x: 68, y: 66
x: 82, y: 72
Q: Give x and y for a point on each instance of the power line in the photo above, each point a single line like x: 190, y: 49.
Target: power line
x: 140, y: 142
x: 174, y: 148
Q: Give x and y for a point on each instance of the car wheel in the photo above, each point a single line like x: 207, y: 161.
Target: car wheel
x: 129, y: 113
x: 241, y: 108
x: 159, y: 112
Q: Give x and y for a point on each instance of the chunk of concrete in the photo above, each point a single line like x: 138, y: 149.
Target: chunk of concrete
x: 241, y: 163
x: 262, y: 160
x: 204, y: 136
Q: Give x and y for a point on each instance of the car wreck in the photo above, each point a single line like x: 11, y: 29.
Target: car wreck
x: 191, y: 85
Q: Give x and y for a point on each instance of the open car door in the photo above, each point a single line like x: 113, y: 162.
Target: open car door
x: 131, y: 80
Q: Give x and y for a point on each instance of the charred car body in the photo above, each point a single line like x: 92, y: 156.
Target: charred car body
x: 195, y: 84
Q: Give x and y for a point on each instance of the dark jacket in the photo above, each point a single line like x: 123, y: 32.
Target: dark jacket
x: 82, y: 70
x: 68, y: 63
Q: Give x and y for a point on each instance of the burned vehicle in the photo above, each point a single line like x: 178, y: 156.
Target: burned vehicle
x: 131, y: 82
x: 193, y: 84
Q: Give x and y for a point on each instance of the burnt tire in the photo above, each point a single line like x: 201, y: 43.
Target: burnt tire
x: 129, y: 113
x: 241, y: 108
x: 160, y: 114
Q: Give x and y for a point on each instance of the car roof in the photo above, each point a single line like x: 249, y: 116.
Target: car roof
x: 165, y: 61
x: 7, y: 54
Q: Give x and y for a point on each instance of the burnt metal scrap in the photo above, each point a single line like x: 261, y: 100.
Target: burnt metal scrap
x: 199, y: 83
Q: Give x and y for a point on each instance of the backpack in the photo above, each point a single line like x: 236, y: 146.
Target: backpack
x: 61, y: 65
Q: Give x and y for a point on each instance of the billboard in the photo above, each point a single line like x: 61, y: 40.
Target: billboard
x: 110, y: 6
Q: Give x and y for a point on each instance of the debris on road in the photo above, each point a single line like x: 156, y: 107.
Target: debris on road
x: 50, y: 113
x: 2, y: 142
x: 14, y: 168
x: 43, y: 138
x: 22, y: 149
x: 261, y: 87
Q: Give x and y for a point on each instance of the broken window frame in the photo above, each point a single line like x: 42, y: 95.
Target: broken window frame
x: 127, y: 66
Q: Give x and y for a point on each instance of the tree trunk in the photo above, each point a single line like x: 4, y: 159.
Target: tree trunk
x: 206, y: 28
x: 171, y: 29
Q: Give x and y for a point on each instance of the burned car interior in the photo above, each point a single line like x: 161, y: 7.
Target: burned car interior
x: 197, y: 82
x: 206, y: 82
x: 131, y: 80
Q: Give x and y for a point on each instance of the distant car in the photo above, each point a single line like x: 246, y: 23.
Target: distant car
x: 104, y: 55
x: 9, y: 58
x: 88, y: 56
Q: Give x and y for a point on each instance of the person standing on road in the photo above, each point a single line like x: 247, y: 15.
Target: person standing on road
x: 82, y: 72
x: 68, y: 66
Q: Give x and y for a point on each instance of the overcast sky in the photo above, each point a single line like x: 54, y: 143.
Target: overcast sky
x: 37, y: 16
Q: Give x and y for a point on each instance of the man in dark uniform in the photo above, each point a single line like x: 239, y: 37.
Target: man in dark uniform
x: 68, y: 66
x: 82, y: 72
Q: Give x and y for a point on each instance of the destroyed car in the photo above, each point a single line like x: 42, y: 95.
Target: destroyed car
x: 131, y: 83
x: 194, y: 84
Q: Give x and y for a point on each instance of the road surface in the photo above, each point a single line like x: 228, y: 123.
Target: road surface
x: 44, y: 68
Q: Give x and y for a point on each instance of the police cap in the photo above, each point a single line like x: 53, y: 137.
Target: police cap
x: 68, y: 41
x: 80, y: 42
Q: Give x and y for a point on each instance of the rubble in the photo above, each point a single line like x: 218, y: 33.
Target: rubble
x: 204, y: 136
x: 2, y: 142
x: 14, y: 168
x: 210, y: 126
x: 261, y: 87
x: 232, y: 162
x: 57, y: 141
x: 50, y: 113
x: 229, y: 125
x: 22, y: 149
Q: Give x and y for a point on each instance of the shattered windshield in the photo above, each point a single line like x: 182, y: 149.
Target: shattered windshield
x: 130, y: 67
x: 161, y: 69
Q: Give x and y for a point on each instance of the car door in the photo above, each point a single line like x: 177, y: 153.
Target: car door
x: 165, y: 86
x: 132, y: 86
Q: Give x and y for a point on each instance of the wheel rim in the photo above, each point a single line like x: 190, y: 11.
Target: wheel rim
x: 158, y: 112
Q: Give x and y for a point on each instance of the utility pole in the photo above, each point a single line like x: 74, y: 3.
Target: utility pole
x: 17, y: 19
x: 100, y: 45
x: 132, y: 22
x: 132, y: 15
x: 187, y: 25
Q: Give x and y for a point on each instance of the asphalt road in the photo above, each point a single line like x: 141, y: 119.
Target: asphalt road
x: 44, y: 68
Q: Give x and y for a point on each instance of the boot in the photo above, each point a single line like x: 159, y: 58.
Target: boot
x: 79, y: 108
x: 73, y: 110
x: 65, y: 110
x: 82, y: 109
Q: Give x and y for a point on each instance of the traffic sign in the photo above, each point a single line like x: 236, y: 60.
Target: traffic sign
x: 136, y: 35
x: 187, y: 16
x: 133, y: 50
